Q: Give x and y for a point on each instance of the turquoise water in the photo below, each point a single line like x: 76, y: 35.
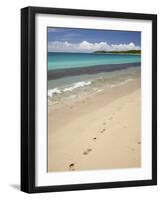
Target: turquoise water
x: 79, y: 85
x: 75, y: 60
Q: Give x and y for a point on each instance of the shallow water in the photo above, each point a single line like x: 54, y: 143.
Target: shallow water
x: 76, y: 60
x: 76, y: 87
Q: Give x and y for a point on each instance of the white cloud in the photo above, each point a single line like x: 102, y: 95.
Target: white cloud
x: 58, y: 46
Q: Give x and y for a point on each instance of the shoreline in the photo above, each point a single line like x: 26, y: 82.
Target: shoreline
x: 99, y: 132
x: 60, y: 73
x: 131, y: 54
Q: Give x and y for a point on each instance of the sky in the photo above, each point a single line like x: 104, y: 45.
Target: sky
x: 90, y: 40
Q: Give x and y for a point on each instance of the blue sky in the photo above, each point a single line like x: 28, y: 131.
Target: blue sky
x: 88, y: 40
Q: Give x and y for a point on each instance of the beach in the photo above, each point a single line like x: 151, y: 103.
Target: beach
x: 97, y: 131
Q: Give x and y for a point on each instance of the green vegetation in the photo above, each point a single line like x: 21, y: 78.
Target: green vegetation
x: 121, y: 52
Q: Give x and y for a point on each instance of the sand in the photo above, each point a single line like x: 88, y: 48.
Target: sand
x: 98, y: 132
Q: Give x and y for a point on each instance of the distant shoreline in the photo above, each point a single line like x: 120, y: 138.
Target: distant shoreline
x: 131, y: 54
x: 128, y: 52
x: 60, y: 73
x: 110, y: 53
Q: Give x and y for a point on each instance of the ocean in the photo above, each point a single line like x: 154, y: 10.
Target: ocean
x: 78, y: 75
x: 75, y: 60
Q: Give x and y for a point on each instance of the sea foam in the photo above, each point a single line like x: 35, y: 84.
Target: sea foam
x: 77, y: 85
x: 53, y: 91
x: 121, y: 83
x: 70, y: 88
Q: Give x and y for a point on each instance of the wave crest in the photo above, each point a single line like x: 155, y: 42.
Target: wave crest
x: 72, y: 87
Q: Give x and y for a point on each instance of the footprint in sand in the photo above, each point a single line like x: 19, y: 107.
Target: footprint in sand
x: 87, y: 151
x: 132, y: 149
x: 103, y: 130
x: 109, y: 118
x: 71, y: 167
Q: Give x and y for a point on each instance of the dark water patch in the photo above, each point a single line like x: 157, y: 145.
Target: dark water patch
x: 59, y: 73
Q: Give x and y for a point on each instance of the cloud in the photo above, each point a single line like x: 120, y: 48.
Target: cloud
x: 59, y: 46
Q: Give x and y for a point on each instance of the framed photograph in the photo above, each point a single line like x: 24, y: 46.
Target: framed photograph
x: 88, y: 99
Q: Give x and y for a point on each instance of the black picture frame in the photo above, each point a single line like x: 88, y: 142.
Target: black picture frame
x: 28, y: 99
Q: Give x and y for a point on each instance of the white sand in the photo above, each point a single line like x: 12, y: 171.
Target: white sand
x: 100, y: 132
